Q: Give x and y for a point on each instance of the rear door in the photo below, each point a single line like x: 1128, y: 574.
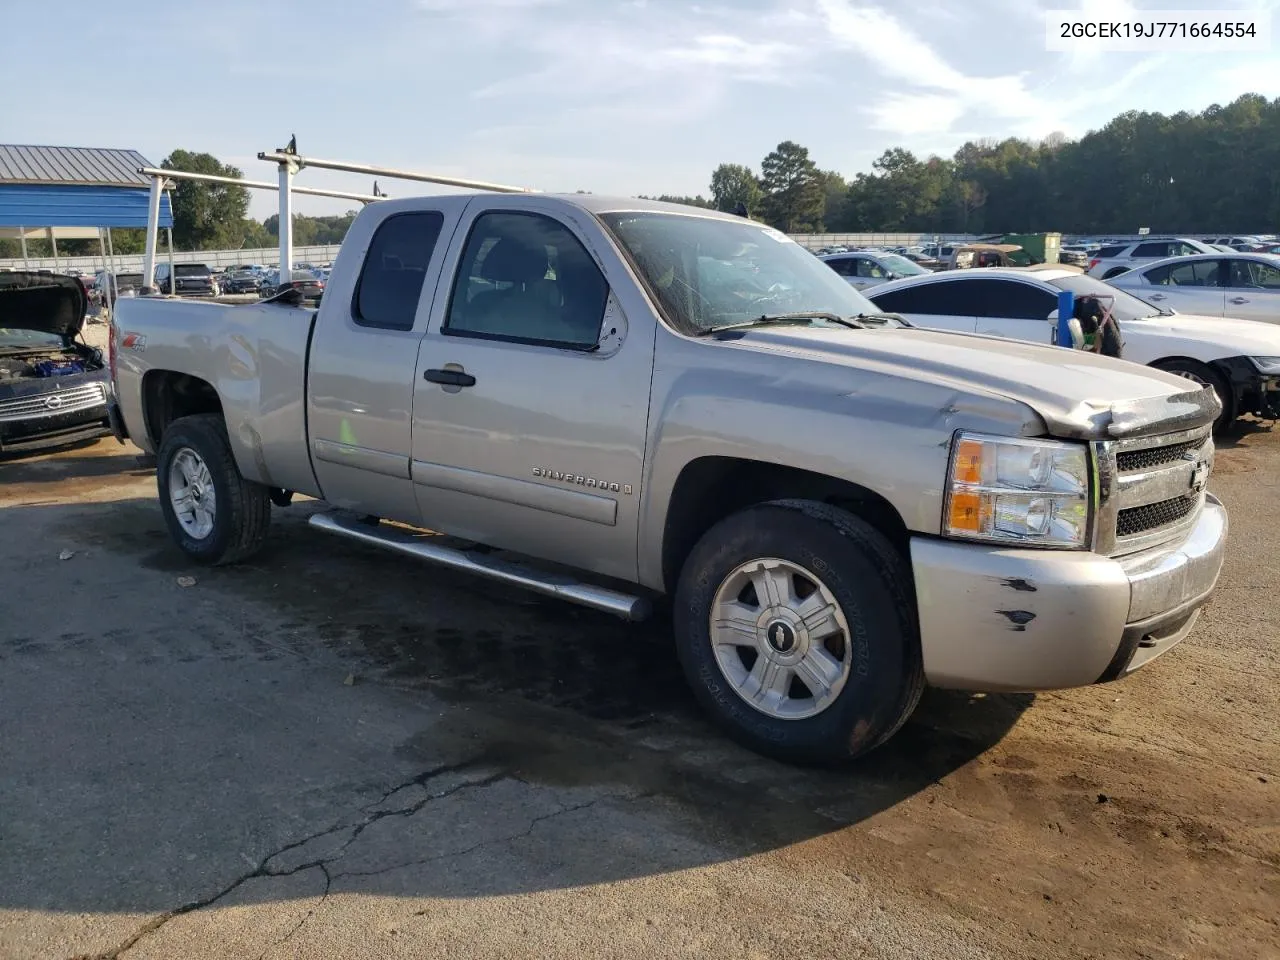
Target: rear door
x: 940, y: 305
x: 1193, y: 286
x: 1253, y: 289
x: 363, y: 356
x: 532, y: 389
x: 1016, y: 309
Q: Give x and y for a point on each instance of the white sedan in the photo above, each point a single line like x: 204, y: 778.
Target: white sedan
x: 1240, y: 359
x: 1245, y: 285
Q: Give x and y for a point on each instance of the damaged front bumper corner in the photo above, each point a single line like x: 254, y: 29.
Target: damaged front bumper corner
x: 994, y: 619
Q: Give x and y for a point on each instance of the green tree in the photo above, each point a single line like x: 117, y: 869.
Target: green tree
x: 206, y: 216
x: 733, y: 184
x: 698, y: 201
x: 793, y: 189
x: 835, y: 201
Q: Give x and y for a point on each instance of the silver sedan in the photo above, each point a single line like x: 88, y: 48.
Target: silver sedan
x: 1245, y: 285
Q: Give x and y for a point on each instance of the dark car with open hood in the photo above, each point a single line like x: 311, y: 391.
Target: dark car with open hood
x: 53, y: 388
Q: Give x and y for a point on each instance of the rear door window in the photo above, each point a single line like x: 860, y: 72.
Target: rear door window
x: 395, y: 267
x: 1198, y: 273
x: 1012, y: 299
x: 938, y: 299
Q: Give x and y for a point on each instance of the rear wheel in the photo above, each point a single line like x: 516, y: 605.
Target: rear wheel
x: 1204, y: 376
x: 795, y: 626
x: 214, y: 514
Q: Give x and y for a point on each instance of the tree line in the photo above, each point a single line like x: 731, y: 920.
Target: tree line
x: 1217, y: 170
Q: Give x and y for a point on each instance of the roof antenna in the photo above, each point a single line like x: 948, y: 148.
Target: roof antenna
x: 376, y: 191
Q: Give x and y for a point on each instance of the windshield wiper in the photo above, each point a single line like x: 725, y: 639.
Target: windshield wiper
x: 882, y: 318
x: 851, y: 322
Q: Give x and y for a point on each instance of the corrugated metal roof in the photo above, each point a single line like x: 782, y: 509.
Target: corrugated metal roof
x: 65, y: 166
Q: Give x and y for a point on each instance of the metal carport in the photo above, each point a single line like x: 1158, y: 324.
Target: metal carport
x: 73, y: 193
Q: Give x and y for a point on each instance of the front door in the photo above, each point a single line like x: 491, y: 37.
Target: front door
x: 532, y: 390
x: 1253, y: 290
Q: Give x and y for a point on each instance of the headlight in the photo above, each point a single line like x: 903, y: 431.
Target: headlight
x: 1269, y: 365
x: 1010, y: 490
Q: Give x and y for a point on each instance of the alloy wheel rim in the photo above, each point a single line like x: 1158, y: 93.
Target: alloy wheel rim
x: 191, y: 493
x: 780, y: 639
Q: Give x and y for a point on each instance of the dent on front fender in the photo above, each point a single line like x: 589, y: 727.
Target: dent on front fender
x: 886, y: 433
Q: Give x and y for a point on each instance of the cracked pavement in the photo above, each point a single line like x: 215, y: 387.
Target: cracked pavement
x: 330, y: 752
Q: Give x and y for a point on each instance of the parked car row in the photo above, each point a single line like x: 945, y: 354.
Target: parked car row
x: 1238, y: 358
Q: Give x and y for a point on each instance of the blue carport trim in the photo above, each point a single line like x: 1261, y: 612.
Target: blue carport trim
x: 36, y: 205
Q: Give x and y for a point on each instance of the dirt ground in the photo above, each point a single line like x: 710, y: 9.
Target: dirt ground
x: 331, y: 751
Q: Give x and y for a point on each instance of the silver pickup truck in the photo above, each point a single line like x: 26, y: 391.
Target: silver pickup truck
x: 675, y: 403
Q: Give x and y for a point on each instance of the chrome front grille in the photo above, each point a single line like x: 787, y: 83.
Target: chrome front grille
x: 1150, y: 490
x: 1152, y: 516
x: 53, y: 403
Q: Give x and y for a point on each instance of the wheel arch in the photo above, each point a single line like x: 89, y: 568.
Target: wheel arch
x: 168, y: 395
x: 709, y: 489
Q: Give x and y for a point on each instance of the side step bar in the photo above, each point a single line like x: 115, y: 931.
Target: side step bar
x: 517, y: 575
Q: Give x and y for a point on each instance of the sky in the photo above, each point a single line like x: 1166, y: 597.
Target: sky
x: 611, y: 96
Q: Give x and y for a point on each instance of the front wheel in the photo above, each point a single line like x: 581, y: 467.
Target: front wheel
x: 796, y: 628
x: 1204, y: 376
x: 214, y: 514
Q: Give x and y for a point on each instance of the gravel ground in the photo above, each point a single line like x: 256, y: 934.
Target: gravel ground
x: 332, y: 751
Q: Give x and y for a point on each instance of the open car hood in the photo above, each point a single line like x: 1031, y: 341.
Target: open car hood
x: 47, y: 302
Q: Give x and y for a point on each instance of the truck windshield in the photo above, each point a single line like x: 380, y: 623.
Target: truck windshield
x: 709, y: 273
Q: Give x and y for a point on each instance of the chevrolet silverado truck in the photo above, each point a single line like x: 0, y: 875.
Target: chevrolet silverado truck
x: 685, y: 407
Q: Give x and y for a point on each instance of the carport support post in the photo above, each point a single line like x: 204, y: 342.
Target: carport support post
x: 22, y: 240
x: 53, y: 243
x: 287, y: 170
x: 153, y: 234
x: 113, y: 283
x: 173, y: 274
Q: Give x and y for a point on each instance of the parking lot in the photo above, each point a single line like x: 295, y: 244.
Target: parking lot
x: 333, y: 751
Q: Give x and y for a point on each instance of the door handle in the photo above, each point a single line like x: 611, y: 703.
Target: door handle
x: 450, y: 378
x: 1239, y: 299
x: 1157, y: 296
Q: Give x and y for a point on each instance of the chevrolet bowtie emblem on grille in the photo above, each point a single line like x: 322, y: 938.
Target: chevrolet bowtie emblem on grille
x: 1200, y: 476
x: 579, y: 480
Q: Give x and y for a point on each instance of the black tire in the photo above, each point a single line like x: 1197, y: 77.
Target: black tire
x: 242, y: 511
x: 871, y: 584
x: 1205, y: 375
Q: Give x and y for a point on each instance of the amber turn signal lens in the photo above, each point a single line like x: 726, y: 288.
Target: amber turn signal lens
x: 968, y: 512
x: 968, y: 463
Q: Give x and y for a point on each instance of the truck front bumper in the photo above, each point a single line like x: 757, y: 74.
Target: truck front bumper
x: 1004, y: 619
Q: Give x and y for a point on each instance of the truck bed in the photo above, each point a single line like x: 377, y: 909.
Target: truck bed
x: 254, y: 356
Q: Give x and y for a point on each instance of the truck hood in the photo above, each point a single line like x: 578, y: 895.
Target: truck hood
x: 1078, y: 395
x: 1228, y: 336
x: 47, y: 302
